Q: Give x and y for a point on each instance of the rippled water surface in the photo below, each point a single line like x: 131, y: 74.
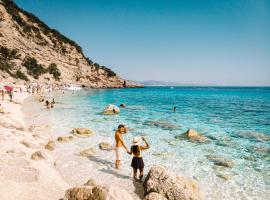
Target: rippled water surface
x: 236, y: 122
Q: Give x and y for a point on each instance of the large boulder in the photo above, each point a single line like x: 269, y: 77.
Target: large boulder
x: 82, y: 132
x: 111, y: 110
x: 97, y: 193
x: 193, y: 136
x: 169, y: 185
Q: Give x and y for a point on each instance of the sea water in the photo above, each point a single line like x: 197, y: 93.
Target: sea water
x: 236, y: 121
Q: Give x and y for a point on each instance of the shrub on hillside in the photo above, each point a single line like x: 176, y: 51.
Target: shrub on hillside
x: 7, y: 54
x: 52, y: 69
x: 33, y: 68
x: 19, y: 74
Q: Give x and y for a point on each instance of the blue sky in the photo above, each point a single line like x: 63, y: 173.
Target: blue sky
x: 188, y: 41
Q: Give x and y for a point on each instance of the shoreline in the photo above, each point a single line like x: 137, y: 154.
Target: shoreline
x: 21, y: 176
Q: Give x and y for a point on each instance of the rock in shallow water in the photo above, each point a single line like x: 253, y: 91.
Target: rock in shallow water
x: 111, y: 110
x: 194, y: 136
x: 162, y: 124
x: 105, y: 146
x: 169, y: 185
x: 84, y: 132
x: 217, y: 160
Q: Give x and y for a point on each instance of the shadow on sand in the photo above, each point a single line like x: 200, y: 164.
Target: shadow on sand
x: 138, y: 185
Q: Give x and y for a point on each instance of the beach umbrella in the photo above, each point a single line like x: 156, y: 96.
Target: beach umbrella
x: 8, y: 88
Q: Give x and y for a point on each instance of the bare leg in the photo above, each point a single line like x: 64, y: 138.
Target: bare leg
x: 141, y: 174
x: 135, y: 173
x: 117, y: 164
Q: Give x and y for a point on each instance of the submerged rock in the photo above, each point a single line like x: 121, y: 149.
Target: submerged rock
x: 161, y: 180
x: 162, y: 124
x: 37, y: 156
x: 97, y: 193
x: 85, y: 132
x: 50, y: 145
x: 217, y: 160
x: 111, y: 110
x: 88, y: 152
x: 193, y: 136
x: 65, y: 138
x: 254, y: 135
x: 154, y: 196
x: 105, y: 146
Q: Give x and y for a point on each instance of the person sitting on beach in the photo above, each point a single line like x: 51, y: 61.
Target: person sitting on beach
x: 119, y: 144
x: 137, y: 160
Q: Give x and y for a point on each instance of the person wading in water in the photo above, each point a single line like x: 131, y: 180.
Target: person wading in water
x: 120, y: 145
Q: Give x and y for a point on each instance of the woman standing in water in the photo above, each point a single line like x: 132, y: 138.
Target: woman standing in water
x: 137, y: 160
x: 120, y: 145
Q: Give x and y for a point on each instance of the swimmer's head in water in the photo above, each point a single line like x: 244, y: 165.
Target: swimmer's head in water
x: 122, y: 128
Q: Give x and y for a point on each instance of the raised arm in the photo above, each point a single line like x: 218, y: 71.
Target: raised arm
x: 147, y: 146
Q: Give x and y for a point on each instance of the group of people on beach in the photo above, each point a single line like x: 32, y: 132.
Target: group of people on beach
x: 48, y: 104
x: 135, y: 150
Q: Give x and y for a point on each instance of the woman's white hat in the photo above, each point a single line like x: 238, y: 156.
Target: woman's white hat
x: 136, y: 140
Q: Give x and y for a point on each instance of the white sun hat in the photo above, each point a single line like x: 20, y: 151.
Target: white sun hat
x: 136, y: 140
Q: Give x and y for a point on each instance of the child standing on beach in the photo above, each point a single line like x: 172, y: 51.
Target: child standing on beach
x: 137, y: 160
x: 120, y: 144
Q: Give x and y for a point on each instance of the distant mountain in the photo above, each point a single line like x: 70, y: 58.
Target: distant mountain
x: 163, y: 83
x: 30, y: 50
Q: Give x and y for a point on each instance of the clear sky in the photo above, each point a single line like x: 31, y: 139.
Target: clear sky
x: 224, y: 42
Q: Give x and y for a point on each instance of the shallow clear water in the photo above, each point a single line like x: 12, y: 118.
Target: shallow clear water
x: 236, y: 121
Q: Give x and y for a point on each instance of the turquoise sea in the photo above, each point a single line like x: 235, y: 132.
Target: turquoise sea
x: 236, y: 120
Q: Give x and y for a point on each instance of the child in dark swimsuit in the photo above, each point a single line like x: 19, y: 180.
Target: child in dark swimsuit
x: 137, y: 160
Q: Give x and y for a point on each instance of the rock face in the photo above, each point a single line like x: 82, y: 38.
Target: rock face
x: 50, y: 145
x: 82, y: 132
x: 88, y: 152
x: 97, y: 193
x: 29, y: 37
x: 194, y: 136
x: 169, y: 185
x: 65, y: 138
x: 105, y: 146
x: 111, y: 110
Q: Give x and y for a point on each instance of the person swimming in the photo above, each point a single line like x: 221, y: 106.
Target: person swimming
x: 137, y: 160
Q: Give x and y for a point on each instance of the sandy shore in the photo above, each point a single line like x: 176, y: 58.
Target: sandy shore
x: 25, y: 178
x: 20, y: 176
